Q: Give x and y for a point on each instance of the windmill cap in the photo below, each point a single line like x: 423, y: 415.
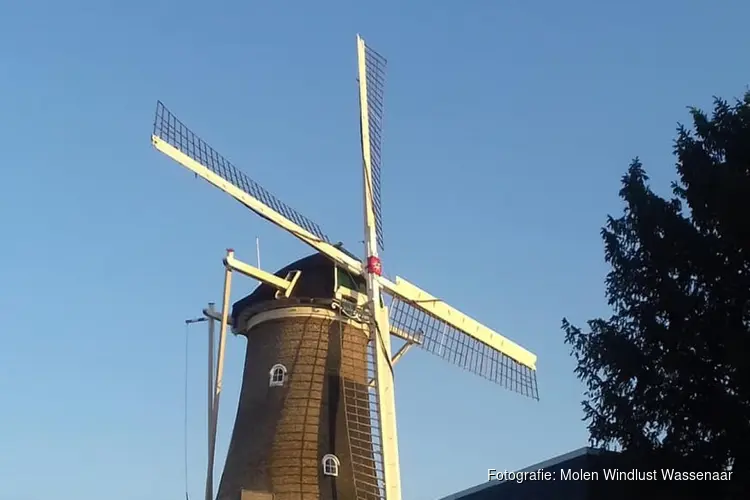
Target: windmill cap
x: 315, y: 282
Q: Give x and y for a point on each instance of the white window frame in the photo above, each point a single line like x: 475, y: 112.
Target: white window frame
x: 272, y: 372
x: 334, y: 461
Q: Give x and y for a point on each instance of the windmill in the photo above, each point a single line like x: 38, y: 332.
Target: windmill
x: 316, y: 416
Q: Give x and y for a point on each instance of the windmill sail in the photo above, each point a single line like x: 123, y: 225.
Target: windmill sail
x: 375, y: 70
x: 447, y: 342
x: 175, y: 140
x: 362, y: 413
x: 382, y: 402
x: 438, y: 328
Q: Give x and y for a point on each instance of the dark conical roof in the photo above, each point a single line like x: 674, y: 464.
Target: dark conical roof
x: 315, y: 282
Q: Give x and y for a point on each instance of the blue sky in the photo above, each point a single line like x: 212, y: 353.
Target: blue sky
x: 508, y: 126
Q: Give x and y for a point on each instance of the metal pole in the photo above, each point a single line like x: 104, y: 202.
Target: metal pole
x: 219, y: 372
x: 211, y: 389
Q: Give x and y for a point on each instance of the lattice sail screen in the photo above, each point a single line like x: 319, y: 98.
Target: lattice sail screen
x: 375, y: 65
x: 171, y: 130
x: 445, y: 341
x: 363, y: 425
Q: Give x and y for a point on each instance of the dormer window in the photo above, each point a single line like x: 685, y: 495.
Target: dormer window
x: 331, y: 465
x: 277, y: 375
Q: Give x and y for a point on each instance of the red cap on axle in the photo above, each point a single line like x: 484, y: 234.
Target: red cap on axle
x: 374, y: 266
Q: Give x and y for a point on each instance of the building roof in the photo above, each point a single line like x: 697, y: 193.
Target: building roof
x: 316, y: 282
x: 541, y: 465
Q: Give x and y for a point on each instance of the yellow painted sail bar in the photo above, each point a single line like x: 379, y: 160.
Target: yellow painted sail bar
x: 435, y: 307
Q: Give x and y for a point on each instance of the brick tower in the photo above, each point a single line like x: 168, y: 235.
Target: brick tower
x: 303, y: 427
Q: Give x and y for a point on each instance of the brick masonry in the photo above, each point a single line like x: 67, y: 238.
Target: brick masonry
x: 282, y: 433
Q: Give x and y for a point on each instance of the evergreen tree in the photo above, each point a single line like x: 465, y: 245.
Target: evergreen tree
x: 668, y: 374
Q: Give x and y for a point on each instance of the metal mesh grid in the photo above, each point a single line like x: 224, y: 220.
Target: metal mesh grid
x: 363, y: 424
x: 375, y: 65
x: 445, y: 341
x: 171, y: 130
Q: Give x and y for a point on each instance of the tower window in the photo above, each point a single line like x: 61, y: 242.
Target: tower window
x: 331, y: 465
x: 277, y: 375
